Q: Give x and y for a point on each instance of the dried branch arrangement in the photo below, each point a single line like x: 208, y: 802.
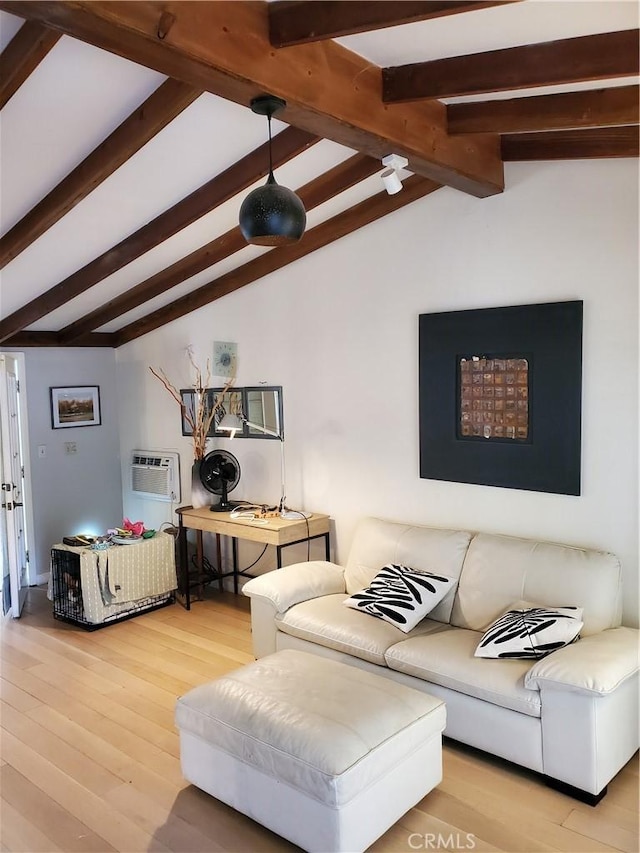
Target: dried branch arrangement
x: 201, y: 418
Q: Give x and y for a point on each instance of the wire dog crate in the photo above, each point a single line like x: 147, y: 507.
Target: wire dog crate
x: 67, y: 594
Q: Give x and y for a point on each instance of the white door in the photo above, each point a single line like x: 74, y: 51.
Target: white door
x: 13, y: 526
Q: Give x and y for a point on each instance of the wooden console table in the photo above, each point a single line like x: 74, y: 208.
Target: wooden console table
x: 280, y: 532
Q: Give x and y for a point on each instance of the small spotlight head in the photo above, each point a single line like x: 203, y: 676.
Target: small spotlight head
x: 390, y: 177
x: 391, y: 181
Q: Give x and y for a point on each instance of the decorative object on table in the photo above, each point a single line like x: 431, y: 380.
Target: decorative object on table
x: 220, y: 474
x: 225, y: 358
x: 500, y: 396
x: 75, y: 406
x: 271, y: 215
x: 205, y: 404
x: 126, y: 540
x: 78, y: 541
x: 129, y: 533
x: 133, y: 527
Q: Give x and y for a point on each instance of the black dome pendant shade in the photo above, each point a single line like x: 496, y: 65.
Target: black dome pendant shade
x: 271, y: 215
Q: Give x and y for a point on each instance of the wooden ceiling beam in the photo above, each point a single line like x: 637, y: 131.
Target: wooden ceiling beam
x: 619, y: 105
x: 316, y: 192
x: 596, y: 57
x: 22, y: 55
x: 333, y: 229
x: 592, y: 143
x: 330, y: 91
x: 303, y: 21
x: 224, y: 186
x: 160, y: 108
x: 52, y: 339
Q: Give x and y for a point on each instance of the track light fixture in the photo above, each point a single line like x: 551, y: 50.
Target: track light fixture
x: 271, y: 215
x: 390, y: 177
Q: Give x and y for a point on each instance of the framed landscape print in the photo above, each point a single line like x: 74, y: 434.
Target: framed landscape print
x: 500, y: 393
x: 75, y: 406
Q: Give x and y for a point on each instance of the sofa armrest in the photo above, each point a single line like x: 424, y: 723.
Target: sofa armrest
x: 277, y: 591
x: 294, y: 584
x: 596, y: 665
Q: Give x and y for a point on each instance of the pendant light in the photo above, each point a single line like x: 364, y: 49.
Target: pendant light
x: 271, y: 215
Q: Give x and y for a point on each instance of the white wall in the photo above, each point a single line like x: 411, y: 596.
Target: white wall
x: 338, y: 330
x: 80, y: 493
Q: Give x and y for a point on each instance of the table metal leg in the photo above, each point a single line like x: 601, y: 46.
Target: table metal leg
x: 200, y: 564
x: 184, y: 566
x: 234, y: 548
x: 219, y: 562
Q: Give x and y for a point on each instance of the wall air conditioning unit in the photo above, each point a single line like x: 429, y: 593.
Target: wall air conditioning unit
x: 155, y: 475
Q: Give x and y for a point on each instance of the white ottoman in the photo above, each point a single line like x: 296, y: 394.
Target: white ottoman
x: 324, y: 754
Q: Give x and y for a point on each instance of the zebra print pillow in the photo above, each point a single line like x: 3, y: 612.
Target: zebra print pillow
x: 401, y: 596
x: 530, y: 632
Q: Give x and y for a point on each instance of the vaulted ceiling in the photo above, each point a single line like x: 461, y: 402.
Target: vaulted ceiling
x: 128, y: 144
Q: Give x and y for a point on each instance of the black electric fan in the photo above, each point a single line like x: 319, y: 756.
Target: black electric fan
x: 219, y: 474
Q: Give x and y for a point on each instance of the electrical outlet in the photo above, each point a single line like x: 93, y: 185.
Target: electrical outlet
x: 70, y: 447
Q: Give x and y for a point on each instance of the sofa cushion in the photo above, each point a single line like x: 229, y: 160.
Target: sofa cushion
x: 499, y: 570
x: 530, y: 632
x: 425, y: 549
x: 401, y: 596
x: 447, y: 658
x: 327, y: 622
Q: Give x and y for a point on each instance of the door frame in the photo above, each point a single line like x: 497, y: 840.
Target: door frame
x: 32, y: 568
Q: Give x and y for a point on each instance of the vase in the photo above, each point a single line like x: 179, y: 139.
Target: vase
x: 199, y: 495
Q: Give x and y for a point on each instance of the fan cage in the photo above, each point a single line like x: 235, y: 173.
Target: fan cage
x: 225, y: 485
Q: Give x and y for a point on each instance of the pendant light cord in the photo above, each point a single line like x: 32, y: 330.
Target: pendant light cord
x: 270, y: 155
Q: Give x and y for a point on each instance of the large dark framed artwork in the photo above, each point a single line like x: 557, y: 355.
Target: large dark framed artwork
x: 500, y: 396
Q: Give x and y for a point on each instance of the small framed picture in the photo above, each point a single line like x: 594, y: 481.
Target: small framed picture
x: 75, y: 406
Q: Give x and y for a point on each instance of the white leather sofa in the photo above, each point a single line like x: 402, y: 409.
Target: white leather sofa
x: 572, y: 716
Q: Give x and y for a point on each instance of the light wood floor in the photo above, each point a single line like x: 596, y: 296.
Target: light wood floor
x: 90, y: 754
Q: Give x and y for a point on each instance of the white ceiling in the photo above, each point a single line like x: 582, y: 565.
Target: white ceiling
x: 79, y: 94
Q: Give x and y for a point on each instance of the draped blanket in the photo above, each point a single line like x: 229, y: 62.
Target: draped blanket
x: 123, y: 576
